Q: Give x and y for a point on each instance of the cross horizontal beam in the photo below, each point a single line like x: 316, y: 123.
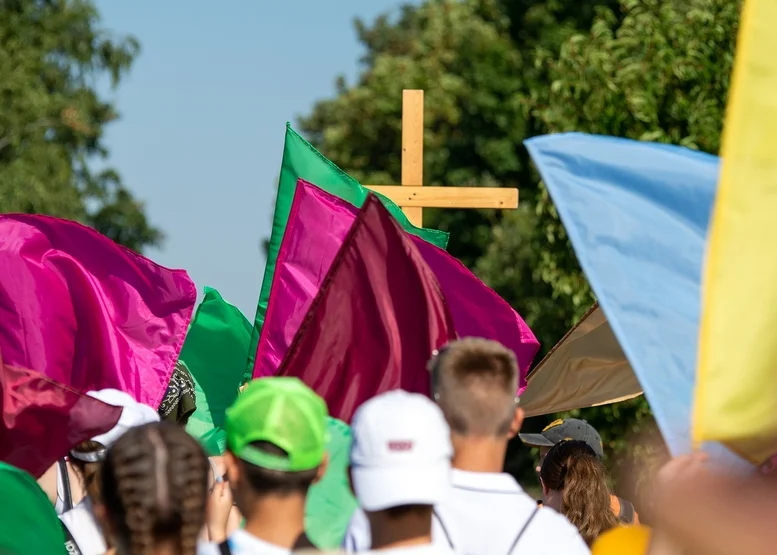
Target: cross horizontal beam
x: 449, y: 197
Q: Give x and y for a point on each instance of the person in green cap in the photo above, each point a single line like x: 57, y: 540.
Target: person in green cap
x: 276, y: 435
x: 28, y: 522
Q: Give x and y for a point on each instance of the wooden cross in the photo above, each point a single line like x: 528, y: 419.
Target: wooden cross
x: 411, y: 197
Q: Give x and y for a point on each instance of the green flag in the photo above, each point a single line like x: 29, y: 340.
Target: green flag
x: 330, y: 503
x: 28, y: 522
x: 215, y: 352
x: 302, y: 161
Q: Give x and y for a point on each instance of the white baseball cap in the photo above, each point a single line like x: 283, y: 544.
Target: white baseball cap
x: 401, y: 452
x: 133, y: 414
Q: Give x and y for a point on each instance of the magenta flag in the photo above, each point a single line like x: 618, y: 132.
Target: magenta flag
x: 376, y: 320
x: 317, y: 226
x: 86, y: 312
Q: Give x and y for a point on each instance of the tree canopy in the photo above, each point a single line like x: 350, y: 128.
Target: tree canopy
x: 53, y: 53
x: 496, y: 72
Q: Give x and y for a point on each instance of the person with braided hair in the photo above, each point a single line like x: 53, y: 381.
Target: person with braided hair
x: 155, y: 486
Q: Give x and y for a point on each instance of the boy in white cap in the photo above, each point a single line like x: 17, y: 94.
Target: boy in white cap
x: 400, y: 469
x: 474, y: 382
x: 83, y: 533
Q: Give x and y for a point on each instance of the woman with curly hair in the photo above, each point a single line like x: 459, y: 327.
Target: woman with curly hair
x: 574, y: 483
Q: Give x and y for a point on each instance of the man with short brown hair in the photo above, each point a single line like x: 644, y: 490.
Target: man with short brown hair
x: 474, y: 382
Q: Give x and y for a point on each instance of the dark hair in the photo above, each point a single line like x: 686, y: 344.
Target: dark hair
x: 155, y: 486
x: 474, y: 382
x: 404, y: 510
x: 573, y: 468
x: 263, y: 481
x: 89, y: 472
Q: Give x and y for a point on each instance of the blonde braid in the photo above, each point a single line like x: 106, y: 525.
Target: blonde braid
x: 155, y: 484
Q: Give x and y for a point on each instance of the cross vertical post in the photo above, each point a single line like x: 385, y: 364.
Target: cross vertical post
x: 413, y: 149
x: 411, y: 196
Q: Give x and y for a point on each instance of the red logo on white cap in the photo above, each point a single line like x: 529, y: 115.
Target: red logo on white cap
x: 400, y: 445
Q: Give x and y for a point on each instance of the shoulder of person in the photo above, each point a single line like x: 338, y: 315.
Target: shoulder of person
x: 207, y: 548
x: 357, y: 535
x: 561, y: 536
x: 77, y: 515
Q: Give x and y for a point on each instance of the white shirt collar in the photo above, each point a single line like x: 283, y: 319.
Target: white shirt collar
x: 494, y: 482
x: 242, y: 542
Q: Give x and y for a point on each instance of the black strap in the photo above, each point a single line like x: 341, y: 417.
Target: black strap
x: 627, y: 512
x: 71, y: 547
x: 67, y: 500
x: 525, y: 527
x: 224, y: 548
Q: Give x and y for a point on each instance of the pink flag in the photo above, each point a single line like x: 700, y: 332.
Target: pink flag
x: 376, y: 320
x: 317, y: 225
x: 86, y: 312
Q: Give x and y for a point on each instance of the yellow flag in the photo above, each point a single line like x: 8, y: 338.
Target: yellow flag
x: 736, y: 383
x: 623, y: 540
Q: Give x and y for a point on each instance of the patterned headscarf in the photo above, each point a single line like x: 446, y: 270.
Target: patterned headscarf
x: 180, y: 401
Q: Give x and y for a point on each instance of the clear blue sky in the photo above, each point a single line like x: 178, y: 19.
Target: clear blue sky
x: 203, y: 115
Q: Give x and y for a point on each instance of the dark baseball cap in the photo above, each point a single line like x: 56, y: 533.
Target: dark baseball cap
x: 562, y: 430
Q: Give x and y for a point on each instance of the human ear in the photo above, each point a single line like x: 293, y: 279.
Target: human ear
x: 322, y: 468
x: 515, y: 425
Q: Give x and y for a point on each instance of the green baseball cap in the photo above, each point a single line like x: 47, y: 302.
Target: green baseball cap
x: 281, y: 411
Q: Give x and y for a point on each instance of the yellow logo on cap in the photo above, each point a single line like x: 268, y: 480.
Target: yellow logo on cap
x: 553, y: 424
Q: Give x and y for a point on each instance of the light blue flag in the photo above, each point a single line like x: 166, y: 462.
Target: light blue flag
x: 637, y: 215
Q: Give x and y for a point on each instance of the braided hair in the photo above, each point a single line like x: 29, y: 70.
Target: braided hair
x: 154, y: 484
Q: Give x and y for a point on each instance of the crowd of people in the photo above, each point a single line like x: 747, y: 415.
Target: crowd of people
x: 427, y: 473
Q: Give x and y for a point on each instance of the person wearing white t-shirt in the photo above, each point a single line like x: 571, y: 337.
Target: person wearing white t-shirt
x: 486, y: 512
x: 84, y: 534
x: 400, y: 469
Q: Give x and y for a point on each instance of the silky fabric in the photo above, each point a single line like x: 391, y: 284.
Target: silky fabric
x: 330, y: 503
x: 28, y: 523
x: 215, y: 352
x: 318, y: 223
x: 637, y: 215
x: 375, y: 322
x: 86, y: 312
x: 586, y: 368
x: 43, y: 420
x: 302, y: 161
x: 740, y: 282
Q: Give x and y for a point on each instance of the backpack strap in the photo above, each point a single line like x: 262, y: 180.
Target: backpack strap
x: 523, y: 530
x: 67, y: 500
x: 71, y: 547
x: 626, y: 512
x: 224, y: 548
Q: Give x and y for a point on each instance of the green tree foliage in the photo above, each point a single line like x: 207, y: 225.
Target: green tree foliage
x: 654, y: 71
x: 52, y: 55
x: 462, y: 55
x: 499, y: 71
